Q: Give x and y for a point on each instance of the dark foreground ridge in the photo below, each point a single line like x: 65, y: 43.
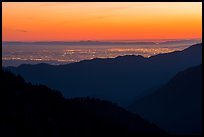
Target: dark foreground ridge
x: 177, y: 106
x: 36, y: 110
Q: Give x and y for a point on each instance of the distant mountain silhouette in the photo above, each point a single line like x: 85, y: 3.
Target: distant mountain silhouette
x: 187, y: 41
x: 176, y: 106
x: 119, y: 79
x: 92, y: 42
x: 28, y: 110
x: 88, y: 42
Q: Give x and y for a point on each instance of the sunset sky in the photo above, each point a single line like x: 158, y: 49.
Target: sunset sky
x: 39, y: 21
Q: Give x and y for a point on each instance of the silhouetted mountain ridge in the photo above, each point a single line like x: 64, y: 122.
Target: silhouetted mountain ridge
x: 187, y: 41
x: 176, y: 106
x: 88, y: 42
x: 36, y: 110
x: 93, y: 42
x: 117, y: 79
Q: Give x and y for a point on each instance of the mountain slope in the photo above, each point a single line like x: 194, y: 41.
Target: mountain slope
x: 28, y: 110
x: 176, y: 106
x: 119, y: 79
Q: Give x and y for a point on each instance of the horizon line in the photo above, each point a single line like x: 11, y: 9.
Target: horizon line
x: 89, y: 40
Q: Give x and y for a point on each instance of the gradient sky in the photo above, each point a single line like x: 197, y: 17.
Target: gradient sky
x: 40, y: 21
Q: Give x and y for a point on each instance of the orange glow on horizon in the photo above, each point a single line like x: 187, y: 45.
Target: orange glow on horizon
x: 51, y: 21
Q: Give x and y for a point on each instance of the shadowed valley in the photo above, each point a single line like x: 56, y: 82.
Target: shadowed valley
x: 36, y: 110
x: 121, y: 79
